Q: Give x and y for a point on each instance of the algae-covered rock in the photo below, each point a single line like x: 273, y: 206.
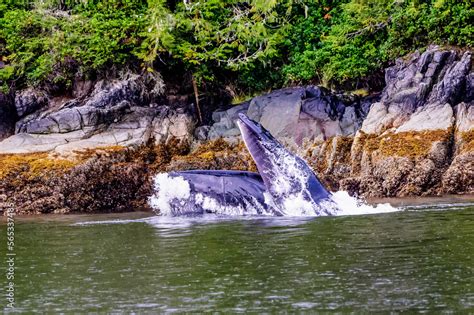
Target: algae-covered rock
x: 410, y: 143
x: 112, y: 179
x: 100, y: 148
x: 459, y: 177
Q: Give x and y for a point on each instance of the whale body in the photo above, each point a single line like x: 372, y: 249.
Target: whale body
x: 284, y: 184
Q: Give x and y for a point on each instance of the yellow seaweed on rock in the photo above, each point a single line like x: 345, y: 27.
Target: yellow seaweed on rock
x: 215, y: 154
x: 467, y: 138
x: 33, y: 165
x: 404, y: 144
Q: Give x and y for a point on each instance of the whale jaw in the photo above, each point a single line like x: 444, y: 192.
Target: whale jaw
x: 287, y: 177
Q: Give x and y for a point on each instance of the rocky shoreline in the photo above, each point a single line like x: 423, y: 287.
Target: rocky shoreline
x: 96, y: 149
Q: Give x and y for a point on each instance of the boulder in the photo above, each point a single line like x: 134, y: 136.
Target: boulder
x: 201, y: 133
x: 109, y: 113
x: 173, y: 124
x: 137, y: 125
x: 295, y: 116
x: 29, y: 101
x: 411, y: 141
x: 110, y: 93
x: 224, y: 125
x: 278, y: 111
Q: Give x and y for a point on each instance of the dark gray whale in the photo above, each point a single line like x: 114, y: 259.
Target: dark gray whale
x: 285, y: 185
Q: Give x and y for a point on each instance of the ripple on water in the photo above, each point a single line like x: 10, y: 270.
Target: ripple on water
x: 403, y: 261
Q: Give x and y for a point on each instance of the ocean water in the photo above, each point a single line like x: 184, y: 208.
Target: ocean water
x: 419, y: 258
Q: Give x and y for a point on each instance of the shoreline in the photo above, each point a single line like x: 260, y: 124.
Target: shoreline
x: 145, y: 213
x: 414, y: 139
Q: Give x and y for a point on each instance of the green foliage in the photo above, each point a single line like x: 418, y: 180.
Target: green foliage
x: 253, y: 45
x: 215, y: 35
x: 367, y: 33
x: 40, y: 44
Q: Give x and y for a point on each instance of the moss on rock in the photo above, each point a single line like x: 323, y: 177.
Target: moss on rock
x: 404, y: 144
x: 467, y: 141
x: 216, y: 154
x: 112, y: 179
x: 33, y: 165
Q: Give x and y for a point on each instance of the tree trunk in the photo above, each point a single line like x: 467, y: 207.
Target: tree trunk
x: 196, y: 96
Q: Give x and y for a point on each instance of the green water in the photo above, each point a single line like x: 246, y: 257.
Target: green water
x: 419, y: 261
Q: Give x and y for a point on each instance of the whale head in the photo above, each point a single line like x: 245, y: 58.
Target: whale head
x: 288, y: 178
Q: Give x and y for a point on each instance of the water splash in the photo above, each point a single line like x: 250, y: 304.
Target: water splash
x: 173, y: 197
x: 172, y: 191
x: 348, y: 205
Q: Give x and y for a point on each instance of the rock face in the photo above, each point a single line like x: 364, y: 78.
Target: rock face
x: 117, y: 112
x: 415, y: 139
x: 459, y: 176
x: 30, y: 100
x: 408, y: 140
x: 296, y: 116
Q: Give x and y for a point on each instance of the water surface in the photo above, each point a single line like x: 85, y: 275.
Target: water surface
x: 409, y: 260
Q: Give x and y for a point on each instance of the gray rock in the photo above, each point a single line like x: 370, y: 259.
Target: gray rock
x: 465, y: 117
x: 225, y: 121
x: 90, y: 116
x: 469, y: 96
x: 201, y: 133
x: 418, y: 90
x: 136, y: 117
x: 29, y: 101
x: 68, y: 119
x: 108, y: 112
x: 30, y: 143
x: 42, y: 126
x: 429, y: 118
x: 70, y: 129
x: 278, y: 111
x: 296, y: 115
x: 173, y: 124
x: 111, y: 93
x: 449, y: 89
x: 113, y: 137
x: 410, y: 81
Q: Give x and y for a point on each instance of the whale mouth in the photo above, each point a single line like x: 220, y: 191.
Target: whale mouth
x: 261, y: 146
x: 287, y: 177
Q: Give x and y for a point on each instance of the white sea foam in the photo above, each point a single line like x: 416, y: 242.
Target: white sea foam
x: 173, y: 194
x: 169, y: 190
x: 296, y: 206
x: 289, y: 185
x: 348, y: 205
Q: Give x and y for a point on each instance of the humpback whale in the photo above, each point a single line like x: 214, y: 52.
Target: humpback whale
x: 284, y: 184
